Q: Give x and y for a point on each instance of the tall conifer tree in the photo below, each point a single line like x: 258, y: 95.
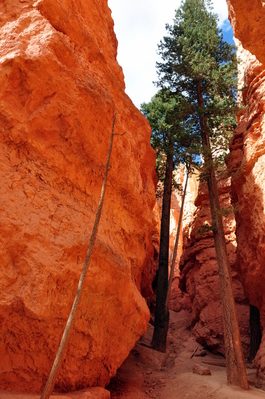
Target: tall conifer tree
x: 198, y: 64
x: 166, y: 114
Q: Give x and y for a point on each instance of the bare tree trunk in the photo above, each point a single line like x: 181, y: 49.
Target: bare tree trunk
x: 235, y: 364
x: 68, y: 328
x: 159, y: 340
x: 176, y: 242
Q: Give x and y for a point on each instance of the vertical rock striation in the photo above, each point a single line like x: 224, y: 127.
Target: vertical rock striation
x: 60, y: 86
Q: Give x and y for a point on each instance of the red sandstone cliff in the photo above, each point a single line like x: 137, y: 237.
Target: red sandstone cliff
x: 60, y: 86
x: 247, y: 162
x: 248, y: 20
x: 247, y: 158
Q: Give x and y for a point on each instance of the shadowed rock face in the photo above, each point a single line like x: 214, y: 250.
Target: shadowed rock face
x: 60, y: 86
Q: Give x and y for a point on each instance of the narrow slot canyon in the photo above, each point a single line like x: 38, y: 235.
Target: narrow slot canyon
x: 61, y: 85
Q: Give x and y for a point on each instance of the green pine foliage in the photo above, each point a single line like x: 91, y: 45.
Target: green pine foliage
x: 196, y: 108
x: 194, y: 112
x: 198, y: 65
x: 166, y: 114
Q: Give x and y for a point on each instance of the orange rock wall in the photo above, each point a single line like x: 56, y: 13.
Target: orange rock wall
x: 199, y: 274
x: 248, y: 20
x: 60, y: 86
x: 247, y: 162
x: 247, y: 158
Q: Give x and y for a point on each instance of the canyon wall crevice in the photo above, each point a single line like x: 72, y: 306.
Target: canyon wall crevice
x: 60, y: 86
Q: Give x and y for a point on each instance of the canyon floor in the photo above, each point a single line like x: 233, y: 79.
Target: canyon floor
x: 148, y: 374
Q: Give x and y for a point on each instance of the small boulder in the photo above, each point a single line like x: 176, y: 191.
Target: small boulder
x: 201, y: 370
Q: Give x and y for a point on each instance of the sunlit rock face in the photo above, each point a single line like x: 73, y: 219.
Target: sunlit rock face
x: 247, y: 162
x: 247, y: 158
x: 199, y: 273
x: 60, y: 86
x: 180, y: 300
x: 248, y: 20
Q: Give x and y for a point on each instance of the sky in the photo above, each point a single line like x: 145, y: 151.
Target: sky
x: 139, y: 26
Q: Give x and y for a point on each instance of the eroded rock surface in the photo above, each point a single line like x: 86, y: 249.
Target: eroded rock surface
x: 199, y: 273
x: 247, y: 162
x: 248, y: 157
x: 60, y: 86
x: 248, y: 19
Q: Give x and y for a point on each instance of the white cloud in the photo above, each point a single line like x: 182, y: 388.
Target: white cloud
x: 139, y: 26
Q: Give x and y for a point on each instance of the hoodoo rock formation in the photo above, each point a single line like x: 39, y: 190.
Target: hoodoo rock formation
x: 199, y: 273
x: 60, y: 86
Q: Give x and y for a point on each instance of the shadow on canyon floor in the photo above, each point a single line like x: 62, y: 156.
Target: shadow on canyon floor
x: 150, y: 374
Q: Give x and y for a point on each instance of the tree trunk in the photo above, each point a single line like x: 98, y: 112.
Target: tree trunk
x: 176, y: 241
x: 255, y: 332
x: 235, y: 363
x: 159, y: 339
x: 70, y: 322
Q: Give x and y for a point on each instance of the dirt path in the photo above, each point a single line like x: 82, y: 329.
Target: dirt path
x: 150, y: 374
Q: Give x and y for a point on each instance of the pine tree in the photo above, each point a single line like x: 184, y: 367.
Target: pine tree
x: 166, y: 113
x: 199, y: 65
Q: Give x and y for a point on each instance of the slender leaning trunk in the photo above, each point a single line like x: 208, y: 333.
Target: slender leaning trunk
x: 70, y: 322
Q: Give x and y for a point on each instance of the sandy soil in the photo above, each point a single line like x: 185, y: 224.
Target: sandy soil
x: 149, y: 374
